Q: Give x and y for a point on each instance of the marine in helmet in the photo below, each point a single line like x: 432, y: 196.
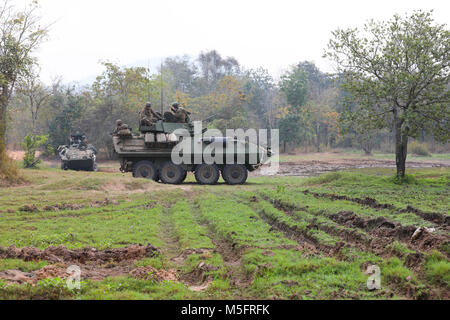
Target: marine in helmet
x: 147, y: 116
x: 121, y: 129
x: 119, y: 124
x: 179, y: 114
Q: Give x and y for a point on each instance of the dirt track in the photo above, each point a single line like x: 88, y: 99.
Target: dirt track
x: 306, y: 168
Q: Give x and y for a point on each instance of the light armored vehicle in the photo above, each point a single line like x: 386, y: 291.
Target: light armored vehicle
x: 78, y: 155
x: 149, y: 154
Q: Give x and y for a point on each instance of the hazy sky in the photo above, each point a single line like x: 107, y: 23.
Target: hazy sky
x: 272, y: 34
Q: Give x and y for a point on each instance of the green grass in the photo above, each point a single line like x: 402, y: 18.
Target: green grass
x: 19, y: 264
x: 252, y: 247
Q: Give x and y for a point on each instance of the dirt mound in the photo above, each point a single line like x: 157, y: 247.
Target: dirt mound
x: 150, y: 273
x: 383, y: 228
x: 62, y: 254
x: 68, y: 206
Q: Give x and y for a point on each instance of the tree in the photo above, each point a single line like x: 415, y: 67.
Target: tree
x: 20, y: 34
x: 33, y: 94
x: 68, y: 109
x: 294, y: 85
x: 398, y: 75
x: 182, y: 73
x: 259, y: 87
x: 289, y: 129
x: 118, y: 93
x: 213, y: 67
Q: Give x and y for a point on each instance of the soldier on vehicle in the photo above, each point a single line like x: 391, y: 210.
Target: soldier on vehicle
x: 147, y: 116
x: 84, y: 142
x: 119, y: 126
x: 121, y: 129
x: 179, y: 114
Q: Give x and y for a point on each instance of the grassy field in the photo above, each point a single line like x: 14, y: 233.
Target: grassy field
x: 272, y: 238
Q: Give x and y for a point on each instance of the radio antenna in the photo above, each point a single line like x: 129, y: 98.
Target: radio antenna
x: 162, y: 94
x: 148, y: 80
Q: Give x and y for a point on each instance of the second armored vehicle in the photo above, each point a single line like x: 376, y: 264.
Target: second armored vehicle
x: 78, y: 155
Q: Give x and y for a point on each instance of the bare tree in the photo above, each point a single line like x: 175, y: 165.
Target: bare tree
x: 34, y: 94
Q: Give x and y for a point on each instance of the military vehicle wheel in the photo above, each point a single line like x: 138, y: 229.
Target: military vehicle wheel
x: 145, y: 169
x: 184, y: 176
x: 235, y: 174
x: 95, y: 167
x: 172, y: 173
x: 63, y: 166
x: 207, y: 173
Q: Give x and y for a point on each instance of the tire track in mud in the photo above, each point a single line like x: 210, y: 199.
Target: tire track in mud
x: 379, y: 230
x: 351, y: 238
x: 305, y: 242
x: 413, y: 261
x: 231, y: 254
x: 435, y: 217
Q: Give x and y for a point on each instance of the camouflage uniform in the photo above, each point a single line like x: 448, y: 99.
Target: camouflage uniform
x: 119, y: 126
x: 121, y: 129
x: 179, y: 113
x: 147, y: 116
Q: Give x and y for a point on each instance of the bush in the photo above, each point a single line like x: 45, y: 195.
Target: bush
x: 419, y: 149
x: 30, y: 144
x: 407, y: 179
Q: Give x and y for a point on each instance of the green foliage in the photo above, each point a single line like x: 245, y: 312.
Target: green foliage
x: 407, y: 179
x: 294, y: 84
x: 396, y: 74
x: 383, y: 73
x: 19, y: 264
x: 68, y: 108
x: 419, y: 149
x: 290, y: 128
x: 20, y: 34
x: 437, y: 268
x: 30, y: 144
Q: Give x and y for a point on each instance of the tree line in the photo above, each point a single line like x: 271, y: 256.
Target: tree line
x: 390, y: 86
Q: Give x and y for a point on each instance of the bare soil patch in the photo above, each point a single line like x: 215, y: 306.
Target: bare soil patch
x: 94, y: 264
x: 307, y: 168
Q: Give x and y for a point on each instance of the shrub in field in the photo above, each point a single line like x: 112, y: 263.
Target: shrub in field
x: 30, y: 144
x: 419, y: 149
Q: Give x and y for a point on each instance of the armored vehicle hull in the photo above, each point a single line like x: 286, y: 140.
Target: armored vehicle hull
x: 78, y: 155
x: 149, y: 155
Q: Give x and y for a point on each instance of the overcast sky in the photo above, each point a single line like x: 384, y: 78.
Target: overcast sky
x: 272, y: 34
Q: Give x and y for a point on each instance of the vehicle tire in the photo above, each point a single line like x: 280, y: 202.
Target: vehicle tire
x: 145, y: 169
x: 172, y: 173
x: 95, y: 167
x: 63, y: 166
x: 184, y: 176
x: 235, y: 174
x: 207, y: 173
